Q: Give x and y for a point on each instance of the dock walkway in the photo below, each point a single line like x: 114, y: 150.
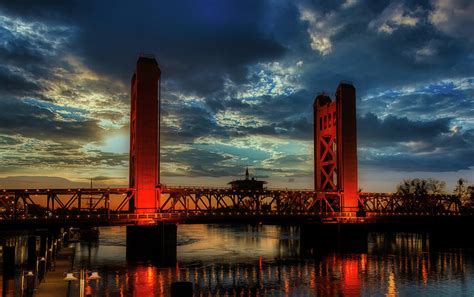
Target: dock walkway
x: 54, y: 284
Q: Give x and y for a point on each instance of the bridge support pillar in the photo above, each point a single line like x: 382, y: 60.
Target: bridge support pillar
x: 335, y: 146
x: 152, y: 242
x: 144, y: 136
x: 450, y: 232
x: 8, y: 279
x: 344, y: 237
x: 32, y: 255
x: 8, y: 260
x: 43, y: 258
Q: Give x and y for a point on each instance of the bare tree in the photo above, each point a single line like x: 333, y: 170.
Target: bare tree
x: 461, y: 190
x: 421, y: 187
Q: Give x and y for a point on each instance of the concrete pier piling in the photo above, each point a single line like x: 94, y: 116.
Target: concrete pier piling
x: 182, y: 289
x: 155, y: 243
x: 334, y: 236
x: 8, y: 261
x: 32, y: 253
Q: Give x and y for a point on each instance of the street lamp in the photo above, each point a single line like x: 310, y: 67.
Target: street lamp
x: 70, y: 277
x: 30, y: 282
x: 94, y: 276
x: 83, y: 277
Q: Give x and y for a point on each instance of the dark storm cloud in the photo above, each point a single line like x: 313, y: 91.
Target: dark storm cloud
x: 30, y: 45
x: 445, y: 162
x: 375, y: 132
x: 20, y: 118
x: 198, y: 163
x: 405, y: 145
x: 197, y: 47
x: 434, y: 101
x: 454, y: 17
x: 379, y: 60
x: 204, y: 47
x: 15, y: 84
x: 46, y: 9
x: 183, y: 124
x: 288, y: 116
x: 296, y: 129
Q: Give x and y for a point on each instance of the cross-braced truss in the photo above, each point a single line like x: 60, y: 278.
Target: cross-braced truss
x: 32, y: 202
x: 398, y: 203
x: 61, y: 201
x: 327, y: 162
x: 278, y: 201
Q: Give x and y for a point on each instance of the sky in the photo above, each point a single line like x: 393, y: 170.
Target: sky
x: 238, y: 82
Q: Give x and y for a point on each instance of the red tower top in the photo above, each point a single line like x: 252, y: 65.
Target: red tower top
x: 144, y: 135
x: 335, y: 145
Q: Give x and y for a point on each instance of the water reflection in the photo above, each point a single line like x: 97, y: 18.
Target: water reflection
x: 268, y: 261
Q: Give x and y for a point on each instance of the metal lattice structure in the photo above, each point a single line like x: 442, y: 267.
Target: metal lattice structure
x: 215, y: 201
x: 278, y: 201
x: 20, y: 202
x: 399, y: 203
x: 335, y: 145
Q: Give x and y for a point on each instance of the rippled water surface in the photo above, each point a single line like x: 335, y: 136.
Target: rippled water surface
x: 268, y: 261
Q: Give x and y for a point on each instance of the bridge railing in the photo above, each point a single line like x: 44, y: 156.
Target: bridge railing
x: 49, y: 202
x: 127, y: 217
x: 69, y: 201
x: 411, y: 203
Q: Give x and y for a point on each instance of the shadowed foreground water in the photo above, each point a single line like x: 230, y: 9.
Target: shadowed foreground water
x: 267, y: 261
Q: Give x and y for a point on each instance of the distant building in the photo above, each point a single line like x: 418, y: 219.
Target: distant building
x: 247, y: 183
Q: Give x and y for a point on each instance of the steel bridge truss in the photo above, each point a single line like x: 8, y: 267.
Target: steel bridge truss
x: 22, y: 202
x: 14, y: 203
x: 398, y: 203
x: 277, y: 201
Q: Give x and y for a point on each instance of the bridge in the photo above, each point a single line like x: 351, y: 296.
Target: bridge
x: 183, y: 203
x: 151, y: 209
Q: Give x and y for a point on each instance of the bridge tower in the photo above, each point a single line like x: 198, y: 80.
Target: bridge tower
x: 335, y: 145
x: 144, y: 136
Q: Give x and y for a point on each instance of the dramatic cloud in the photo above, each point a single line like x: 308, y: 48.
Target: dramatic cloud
x: 402, y: 144
x: 238, y: 83
x: 394, y: 16
x: 321, y: 28
x: 454, y: 17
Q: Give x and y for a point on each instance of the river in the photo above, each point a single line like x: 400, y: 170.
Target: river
x: 263, y: 260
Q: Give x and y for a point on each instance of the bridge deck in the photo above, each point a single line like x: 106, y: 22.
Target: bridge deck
x: 197, y: 204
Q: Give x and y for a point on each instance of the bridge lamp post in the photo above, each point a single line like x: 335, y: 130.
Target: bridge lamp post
x: 94, y: 275
x: 30, y: 280
x: 41, y: 267
x: 69, y: 278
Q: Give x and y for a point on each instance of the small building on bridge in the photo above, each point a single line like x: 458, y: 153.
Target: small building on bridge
x: 248, y: 183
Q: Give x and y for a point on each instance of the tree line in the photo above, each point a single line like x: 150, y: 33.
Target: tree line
x: 431, y: 186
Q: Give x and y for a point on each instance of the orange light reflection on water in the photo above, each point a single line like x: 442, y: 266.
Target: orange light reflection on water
x: 350, y: 274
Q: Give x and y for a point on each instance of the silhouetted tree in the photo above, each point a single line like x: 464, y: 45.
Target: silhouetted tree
x: 461, y: 190
x: 416, y: 194
x: 420, y: 187
x: 470, y: 191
